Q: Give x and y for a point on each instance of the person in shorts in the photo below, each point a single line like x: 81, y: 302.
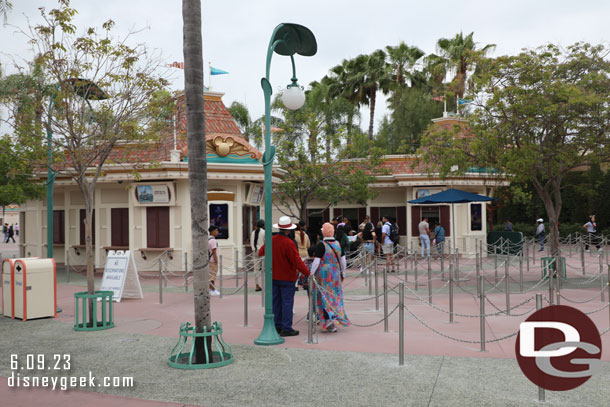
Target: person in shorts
x: 387, y: 245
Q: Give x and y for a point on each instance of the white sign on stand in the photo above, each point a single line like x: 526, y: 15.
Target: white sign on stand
x: 121, y: 276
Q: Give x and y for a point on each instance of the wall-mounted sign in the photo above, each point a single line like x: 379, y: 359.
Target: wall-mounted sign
x: 256, y: 194
x: 154, y: 194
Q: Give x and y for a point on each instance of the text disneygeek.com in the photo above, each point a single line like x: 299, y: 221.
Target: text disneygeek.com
x: 68, y: 382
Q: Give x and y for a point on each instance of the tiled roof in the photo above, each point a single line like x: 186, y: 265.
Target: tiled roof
x: 218, y: 120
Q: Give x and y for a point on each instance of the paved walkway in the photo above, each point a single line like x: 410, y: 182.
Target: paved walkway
x: 356, y: 366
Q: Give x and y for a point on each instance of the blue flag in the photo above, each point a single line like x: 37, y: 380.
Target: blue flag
x: 214, y: 71
x: 464, y: 101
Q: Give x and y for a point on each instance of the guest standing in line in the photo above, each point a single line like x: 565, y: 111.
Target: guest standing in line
x: 257, y: 239
x: 302, y: 239
x: 213, y: 252
x: 424, y: 236
x: 329, y: 269
x: 540, y: 233
x: 591, y: 228
x: 286, y: 265
x: 439, y: 236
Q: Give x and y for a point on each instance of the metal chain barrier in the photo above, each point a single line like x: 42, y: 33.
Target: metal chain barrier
x: 457, y: 339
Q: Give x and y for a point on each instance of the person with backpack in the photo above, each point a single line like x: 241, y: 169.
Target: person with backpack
x: 387, y: 245
x: 439, y: 237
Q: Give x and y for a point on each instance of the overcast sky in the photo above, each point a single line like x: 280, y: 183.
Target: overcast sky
x: 236, y: 32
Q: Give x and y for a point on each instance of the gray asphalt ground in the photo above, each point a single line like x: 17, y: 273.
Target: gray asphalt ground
x: 277, y: 376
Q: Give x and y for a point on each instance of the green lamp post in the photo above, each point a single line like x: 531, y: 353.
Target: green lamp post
x: 287, y: 39
x: 89, y: 91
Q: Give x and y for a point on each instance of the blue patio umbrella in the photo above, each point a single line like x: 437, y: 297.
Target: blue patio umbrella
x: 451, y: 196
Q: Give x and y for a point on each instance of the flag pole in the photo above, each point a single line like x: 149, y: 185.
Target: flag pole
x: 209, y: 75
x: 457, y: 106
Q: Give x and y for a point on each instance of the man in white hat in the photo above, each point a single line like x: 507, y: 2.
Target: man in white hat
x: 540, y: 233
x: 286, y: 262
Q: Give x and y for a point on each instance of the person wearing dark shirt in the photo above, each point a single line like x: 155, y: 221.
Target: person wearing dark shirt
x: 286, y: 265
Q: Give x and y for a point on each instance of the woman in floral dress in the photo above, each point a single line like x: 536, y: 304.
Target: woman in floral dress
x: 329, y: 269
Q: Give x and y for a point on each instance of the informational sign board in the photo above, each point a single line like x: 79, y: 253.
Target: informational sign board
x: 121, y: 276
x: 153, y: 193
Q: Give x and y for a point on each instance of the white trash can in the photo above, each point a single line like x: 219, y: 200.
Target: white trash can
x: 8, y: 288
x: 35, y: 288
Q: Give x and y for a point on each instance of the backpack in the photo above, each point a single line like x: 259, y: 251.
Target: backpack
x: 394, y: 236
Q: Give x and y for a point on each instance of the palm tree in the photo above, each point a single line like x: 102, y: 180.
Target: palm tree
x: 5, y: 7
x: 375, y: 76
x: 402, y: 60
x: 198, y: 184
x: 457, y: 55
x: 241, y: 115
x: 343, y: 82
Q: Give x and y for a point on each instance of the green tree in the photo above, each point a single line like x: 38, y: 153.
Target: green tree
x: 457, y: 56
x: 17, y: 183
x: 376, y: 77
x: 88, y: 117
x: 251, y: 130
x: 5, y: 7
x: 311, y: 152
x: 544, y: 113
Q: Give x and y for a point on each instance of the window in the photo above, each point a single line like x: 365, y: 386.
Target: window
x: 157, y: 226
x: 476, y: 219
x: 82, y: 227
x: 219, y: 216
x: 432, y: 213
x: 119, y: 227
x: 59, y: 228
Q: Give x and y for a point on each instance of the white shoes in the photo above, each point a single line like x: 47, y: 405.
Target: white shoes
x: 214, y: 292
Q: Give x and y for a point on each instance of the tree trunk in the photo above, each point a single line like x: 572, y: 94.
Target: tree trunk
x: 198, y: 184
x: 372, y: 115
x: 350, y: 124
x: 551, y: 197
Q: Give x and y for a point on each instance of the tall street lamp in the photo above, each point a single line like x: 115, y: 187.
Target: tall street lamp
x: 89, y: 91
x: 287, y: 39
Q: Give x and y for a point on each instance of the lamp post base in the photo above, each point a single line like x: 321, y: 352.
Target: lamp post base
x: 269, y: 335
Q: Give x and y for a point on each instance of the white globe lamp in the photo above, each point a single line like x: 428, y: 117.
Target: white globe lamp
x: 293, y: 97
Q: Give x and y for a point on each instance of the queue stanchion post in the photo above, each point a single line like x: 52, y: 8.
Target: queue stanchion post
x: 521, y: 272
x: 416, y: 271
x: 451, y: 293
x: 541, y: 391
x: 236, y: 265
x: 220, y: 275
x: 245, y: 297
x: 429, y: 281
x: 385, y: 300
x: 401, y: 324
x: 160, y: 281
x: 481, y: 289
x: 186, y: 272
x: 496, y: 263
x: 376, y: 290
x: 310, y: 313
x: 507, y: 285
x: 67, y: 265
x: 601, y: 274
